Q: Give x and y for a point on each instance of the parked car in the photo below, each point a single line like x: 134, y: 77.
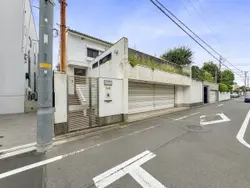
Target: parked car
x: 247, y: 97
x: 234, y: 95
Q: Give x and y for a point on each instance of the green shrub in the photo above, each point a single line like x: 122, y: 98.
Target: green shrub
x: 223, y: 87
x: 133, y: 60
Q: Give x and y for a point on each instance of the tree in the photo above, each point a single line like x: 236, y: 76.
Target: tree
x: 212, y: 68
x: 197, y: 73
x: 181, y: 55
x: 208, y: 76
x: 227, y: 77
x: 223, y: 87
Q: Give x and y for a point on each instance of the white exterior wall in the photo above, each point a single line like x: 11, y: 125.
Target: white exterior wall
x: 17, y: 26
x: 196, y: 92
x: 77, y: 49
x: 147, y: 74
x: 223, y: 96
x: 113, y: 68
x: 60, y: 83
x: 116, y: 104
x: 188, y: 95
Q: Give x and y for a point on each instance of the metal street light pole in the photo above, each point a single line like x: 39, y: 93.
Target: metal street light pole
x: 45, y: 128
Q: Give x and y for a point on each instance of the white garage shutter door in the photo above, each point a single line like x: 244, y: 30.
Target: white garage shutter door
x: 140, y: 97
x: 212, y: 96
x: 164, y: 96
x: 147, y: 97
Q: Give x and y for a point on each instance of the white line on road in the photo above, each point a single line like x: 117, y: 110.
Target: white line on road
x: 224, y: 118
x: 17, y: 152
x: 183, y: 117
x: 145, y: 179
x: 31, y: 166
x: 220, y: 105
x: 132, y: 167
x: 41, y: 163
x: 242, y: 131
x: 17, y: 148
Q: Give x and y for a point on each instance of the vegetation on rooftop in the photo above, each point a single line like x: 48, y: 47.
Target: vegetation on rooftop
x: 134, y: 60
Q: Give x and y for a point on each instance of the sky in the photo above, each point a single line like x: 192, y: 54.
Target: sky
x: 223, y: 24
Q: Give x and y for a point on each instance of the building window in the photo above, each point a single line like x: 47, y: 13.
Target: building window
x: 92, y: 52
x: 79, y: 72
x: 105, y: 59
x: 95, y: 65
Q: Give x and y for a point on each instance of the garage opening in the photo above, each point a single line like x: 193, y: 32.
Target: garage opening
x: 145, y: 97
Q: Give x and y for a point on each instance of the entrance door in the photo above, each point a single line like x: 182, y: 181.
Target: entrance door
x: 205, y: 95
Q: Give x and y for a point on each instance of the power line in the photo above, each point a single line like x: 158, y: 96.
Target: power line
x: 188, y: 30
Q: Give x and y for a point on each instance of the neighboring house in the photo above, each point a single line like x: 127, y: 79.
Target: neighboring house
x: 18, y: 55
x: 235, y: 86
x: 81, y: 50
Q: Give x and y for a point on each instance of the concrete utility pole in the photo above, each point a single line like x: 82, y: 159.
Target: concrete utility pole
x: 245, y: 83
x: 63, y: 5
x: 45, y: 127
x: 220, y: 62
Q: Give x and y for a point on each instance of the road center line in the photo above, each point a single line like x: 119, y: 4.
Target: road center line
x: 57, y: 158
x: 242, y: 131
x: 183, y: 117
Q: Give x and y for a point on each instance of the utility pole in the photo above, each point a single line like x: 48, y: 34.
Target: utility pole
x: 245, y: 83
x: 220, y: 62
x: 63, y: 5
x: 45, y: 127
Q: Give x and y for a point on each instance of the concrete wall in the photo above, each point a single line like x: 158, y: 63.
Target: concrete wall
x: 17, y: 26
x: 189, y: 95
x: 182, y: 96
x: 223, y: 96
x: 196, y: 92
x: 60, y: 89
x: 147, y: 74
x: 113, y: 100
x: 112, y: 68
x: 212, y: 86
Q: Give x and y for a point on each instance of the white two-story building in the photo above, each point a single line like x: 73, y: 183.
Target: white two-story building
x: 18, y: 55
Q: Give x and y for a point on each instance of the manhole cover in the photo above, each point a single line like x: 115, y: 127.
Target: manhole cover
x: 1, y: 136
x: 195, y: 127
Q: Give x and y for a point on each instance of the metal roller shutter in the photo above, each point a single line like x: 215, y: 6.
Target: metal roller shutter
x: 147, y: 97
x: 164, y: 96
x: 140, y: 97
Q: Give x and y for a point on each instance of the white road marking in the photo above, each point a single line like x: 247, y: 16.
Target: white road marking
x: 17, y: 152
x: 224, y: 118
x: 31, y: 166
x: 41, y: 163
x: 220, y: 105
x: 17, y: 147
x: 183, y: 117
x: 145, y: 179
x: 242, y: 131
x: 132, y: 167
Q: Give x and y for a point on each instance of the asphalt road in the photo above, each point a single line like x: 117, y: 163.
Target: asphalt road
x: 171, y: 151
